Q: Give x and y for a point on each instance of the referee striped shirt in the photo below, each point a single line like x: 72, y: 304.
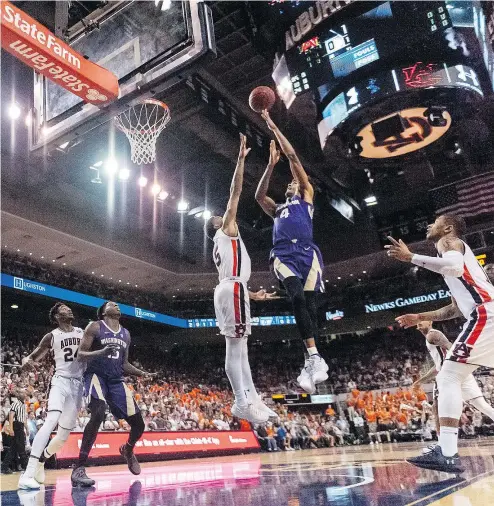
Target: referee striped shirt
x: 19, y: 409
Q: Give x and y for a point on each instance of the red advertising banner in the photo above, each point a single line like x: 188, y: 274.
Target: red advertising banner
x: 38, y: 48
x: 162, y: 443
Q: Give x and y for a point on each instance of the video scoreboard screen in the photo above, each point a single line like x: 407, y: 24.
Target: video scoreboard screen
x: 389, y: 31
x: 409, y: 77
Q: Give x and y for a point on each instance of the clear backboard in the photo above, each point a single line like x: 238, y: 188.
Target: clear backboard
x: 148, y: 45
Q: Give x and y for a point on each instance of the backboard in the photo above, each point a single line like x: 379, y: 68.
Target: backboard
x: 147, y: 45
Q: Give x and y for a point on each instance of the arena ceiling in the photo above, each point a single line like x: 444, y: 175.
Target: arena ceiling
x: 49, y: 204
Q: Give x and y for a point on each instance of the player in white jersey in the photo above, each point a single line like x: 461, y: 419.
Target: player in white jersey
x: 473, y: 297
x: 232, y: 299
x: 438, y: 345
x: 65, y: 396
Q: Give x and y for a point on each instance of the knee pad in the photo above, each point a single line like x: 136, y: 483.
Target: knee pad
x: 294, y: 289
x: 51, y: 420
x: 97, y: 408
x: 58, y: 441
x: 136, y: 422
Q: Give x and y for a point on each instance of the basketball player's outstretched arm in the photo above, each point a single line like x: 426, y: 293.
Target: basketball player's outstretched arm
x: 449, y: 264
x: 263, y: 295
x: 267, y: 203
x: 134, y: 371
x: 448, y: 312
x: 84, y: 352
x: 39, y: 352
x: 230, y: 216
x: 298, y: 171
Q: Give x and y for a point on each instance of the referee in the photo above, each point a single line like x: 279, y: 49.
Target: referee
x: 19, y: 429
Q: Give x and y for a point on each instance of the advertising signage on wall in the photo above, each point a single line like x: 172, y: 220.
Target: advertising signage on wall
x: 403, y: 302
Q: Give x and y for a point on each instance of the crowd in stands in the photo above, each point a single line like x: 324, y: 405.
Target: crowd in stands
x: 185, y: 397
x: 370, y: 291
x: 27, y: 267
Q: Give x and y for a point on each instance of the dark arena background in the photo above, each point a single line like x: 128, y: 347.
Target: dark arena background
x: 390, y: 109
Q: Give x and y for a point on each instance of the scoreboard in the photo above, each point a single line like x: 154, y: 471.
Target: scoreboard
x: 418, y: 75
x: 387, y: 32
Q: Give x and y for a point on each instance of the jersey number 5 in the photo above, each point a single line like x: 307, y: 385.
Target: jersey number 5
x: 69, y: 354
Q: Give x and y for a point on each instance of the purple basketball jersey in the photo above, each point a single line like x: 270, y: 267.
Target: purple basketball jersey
x: 293, y: 221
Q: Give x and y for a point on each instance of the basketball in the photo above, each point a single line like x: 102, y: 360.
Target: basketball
x: 261, y: 98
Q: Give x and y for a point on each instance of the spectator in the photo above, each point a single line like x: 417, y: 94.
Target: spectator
x: 280, y: 437
x: 272, y: 447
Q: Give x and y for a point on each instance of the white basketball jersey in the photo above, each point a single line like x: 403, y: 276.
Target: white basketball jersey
x: 65, y: 345
x: 436, y: 352
x: 231, y: 257
x: 473, y: 288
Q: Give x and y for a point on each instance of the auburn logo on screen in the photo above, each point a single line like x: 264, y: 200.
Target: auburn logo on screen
x: 417, y: 132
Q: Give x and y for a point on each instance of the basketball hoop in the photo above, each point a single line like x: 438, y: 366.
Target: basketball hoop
x: 142, y: 124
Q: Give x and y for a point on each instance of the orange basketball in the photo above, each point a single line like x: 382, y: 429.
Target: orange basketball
x: 261, y: 98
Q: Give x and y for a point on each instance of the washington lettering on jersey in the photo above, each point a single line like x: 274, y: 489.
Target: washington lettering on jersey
x: 473, y: 288
x: 111, y: 365
x: 113, y: 340
x: 293, y: 221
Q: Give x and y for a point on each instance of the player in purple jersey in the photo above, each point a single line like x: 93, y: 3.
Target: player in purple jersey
x: 296, y: 260
x: 105, y: 345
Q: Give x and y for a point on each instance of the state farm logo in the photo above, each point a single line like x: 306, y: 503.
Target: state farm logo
x: 417, y: 134
x: 37, y: 47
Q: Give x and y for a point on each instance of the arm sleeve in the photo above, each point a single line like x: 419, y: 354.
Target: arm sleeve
x: 451, y: 263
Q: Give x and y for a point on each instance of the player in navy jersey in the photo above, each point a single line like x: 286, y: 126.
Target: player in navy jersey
x: 295, y: 258
x: 105, y: 345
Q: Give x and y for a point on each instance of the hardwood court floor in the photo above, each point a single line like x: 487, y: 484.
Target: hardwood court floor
x: 350, y: 476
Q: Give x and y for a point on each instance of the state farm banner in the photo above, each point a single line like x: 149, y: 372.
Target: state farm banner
x: 162, y: 443
x: 37, y: 47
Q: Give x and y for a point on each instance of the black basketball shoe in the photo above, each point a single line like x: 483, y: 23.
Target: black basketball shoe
x: 436, y: 461
x: 128, y: 454
x: 79, y: 478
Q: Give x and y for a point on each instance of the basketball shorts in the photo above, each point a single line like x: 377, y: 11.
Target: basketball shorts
x: 301, y: 260
x: 232, y: 308
x: 469, y: 389
x: 65, y: 397
x: 475, y: 344
x: 114, y: 392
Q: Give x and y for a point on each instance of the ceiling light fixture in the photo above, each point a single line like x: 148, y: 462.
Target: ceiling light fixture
x: 14, y: 111
x: 162, y: 195
x: 182, y: 206
x: 155, y: 189
x: 142, y: 181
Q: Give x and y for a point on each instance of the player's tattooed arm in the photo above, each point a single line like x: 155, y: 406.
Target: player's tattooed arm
x: 230, y: 216
x: 444, y: 313
x: 438, y: 339
x: 296, y: 167
x: 448, y: 312
x: 90, y: 333
x: 450, y: 244
x: 40, y: 351
x: 267, y: 203
x: 131, y: 370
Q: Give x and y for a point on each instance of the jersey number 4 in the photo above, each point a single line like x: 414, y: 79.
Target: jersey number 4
x: 285, y: 213
x: 69, y: 355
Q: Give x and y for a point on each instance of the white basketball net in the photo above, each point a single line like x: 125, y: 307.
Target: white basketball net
x: 142, y: 124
